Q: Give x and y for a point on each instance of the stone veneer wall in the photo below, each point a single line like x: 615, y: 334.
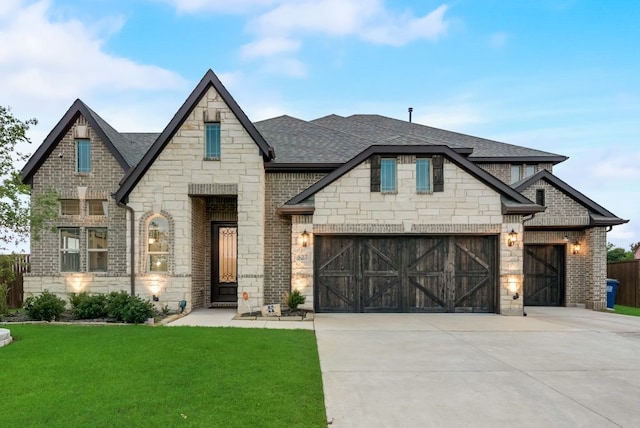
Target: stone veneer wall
x: 465, y: 206
x: 59, y: 172
x: 180, y: 167
x: 280, y: 188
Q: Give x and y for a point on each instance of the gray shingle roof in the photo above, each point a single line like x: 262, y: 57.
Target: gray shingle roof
x: 139, y: 143
x: 336, y: 139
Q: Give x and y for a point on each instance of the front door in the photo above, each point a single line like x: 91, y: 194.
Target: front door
x: 224, y: 262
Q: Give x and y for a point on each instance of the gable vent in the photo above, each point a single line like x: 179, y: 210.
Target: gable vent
x: 81, y: 131
x: 211, y: 115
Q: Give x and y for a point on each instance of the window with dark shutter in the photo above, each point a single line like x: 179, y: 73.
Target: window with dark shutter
x: 438, y: 173
x: 375, y: 173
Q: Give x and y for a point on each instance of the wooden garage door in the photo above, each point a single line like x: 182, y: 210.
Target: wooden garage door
x: 544, y: 275
x: 405, y: 274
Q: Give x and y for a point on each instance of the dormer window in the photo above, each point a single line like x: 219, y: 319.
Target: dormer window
x: 83, y: 156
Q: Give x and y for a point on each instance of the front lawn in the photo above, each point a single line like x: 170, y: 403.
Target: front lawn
x: 626, y: 310
x: 141, y: 376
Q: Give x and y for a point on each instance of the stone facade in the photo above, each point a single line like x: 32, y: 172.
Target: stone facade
x: 181, y: 166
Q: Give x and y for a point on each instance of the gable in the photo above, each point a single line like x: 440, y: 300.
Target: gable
x: 186, y: 111
x: 565, y: 204
x: 512, y: 201
x: 106, y: 134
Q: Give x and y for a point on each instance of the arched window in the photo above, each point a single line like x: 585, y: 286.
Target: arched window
x: 158, y: 244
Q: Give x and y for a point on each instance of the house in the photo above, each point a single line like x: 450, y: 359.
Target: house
x: 361, y: 214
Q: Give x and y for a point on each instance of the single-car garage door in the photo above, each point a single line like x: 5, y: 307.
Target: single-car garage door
x: 405, y: 273
x: 544, y: 275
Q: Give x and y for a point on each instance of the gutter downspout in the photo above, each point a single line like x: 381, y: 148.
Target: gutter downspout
x: 133, y: 245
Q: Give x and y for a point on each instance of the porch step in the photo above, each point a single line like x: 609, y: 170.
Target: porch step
x: 223, y: 305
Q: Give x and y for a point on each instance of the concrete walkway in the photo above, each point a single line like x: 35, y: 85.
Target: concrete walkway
x: 557, y: 367
x: 224, y: 318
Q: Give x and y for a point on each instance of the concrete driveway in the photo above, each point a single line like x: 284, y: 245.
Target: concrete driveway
x: 557, y: 367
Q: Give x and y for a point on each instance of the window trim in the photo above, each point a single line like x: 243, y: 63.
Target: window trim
x: 66, y: 250
x: 215, y: 154
x: 97, y: 250
x: 86, y: 169
x: 384, y: 186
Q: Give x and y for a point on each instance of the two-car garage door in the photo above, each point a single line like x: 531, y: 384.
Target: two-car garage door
x: 405, y: 273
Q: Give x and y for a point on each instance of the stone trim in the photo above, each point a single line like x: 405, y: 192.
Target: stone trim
x: 144, y: 248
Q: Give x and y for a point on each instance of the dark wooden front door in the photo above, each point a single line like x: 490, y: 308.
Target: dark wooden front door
x: 544, y: 275
x: 224, y: 262
x: 405, y: 274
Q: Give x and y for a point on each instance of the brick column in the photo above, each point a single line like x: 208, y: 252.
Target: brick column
x: 596, y: 253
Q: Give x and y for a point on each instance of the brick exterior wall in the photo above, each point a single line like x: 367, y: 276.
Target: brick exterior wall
x: 279, y: 189
x: 502, y: 171
x: 58, y: 172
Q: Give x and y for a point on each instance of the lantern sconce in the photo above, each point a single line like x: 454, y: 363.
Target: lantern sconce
x: 511, y: 240
x: 575, y: 247
x: 305, y: 238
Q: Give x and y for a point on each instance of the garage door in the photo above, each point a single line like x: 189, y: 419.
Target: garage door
x: 405, y: 274
x: 544, y: 275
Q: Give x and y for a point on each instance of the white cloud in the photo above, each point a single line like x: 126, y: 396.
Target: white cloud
x: 49, y: 60
x: 221, y: 6
x: 280, y: 26
x: 270, y: 46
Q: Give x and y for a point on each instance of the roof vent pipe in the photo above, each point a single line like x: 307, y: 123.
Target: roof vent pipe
x: 410, y: 111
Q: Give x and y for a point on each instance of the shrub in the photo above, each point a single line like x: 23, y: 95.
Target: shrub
x: 46, y: 307
x: 129, y: 309
x: 116, y: 302
x: 85, y: 306
x: 294, y: 299
x: 137, y: 310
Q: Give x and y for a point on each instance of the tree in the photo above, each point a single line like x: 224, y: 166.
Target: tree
x: 17, y: 219
x: 616, y: 254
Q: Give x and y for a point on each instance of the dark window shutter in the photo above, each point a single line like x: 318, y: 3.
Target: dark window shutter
x: 375, y: 173
x: 438, y: 173
x: 540, y: 197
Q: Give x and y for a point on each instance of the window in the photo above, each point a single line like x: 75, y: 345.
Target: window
x: 520, y: 172
x: 97, y: 207
x: 83, y: 156
x: 158, y: 245
x: 97, y: 249
x: 212, y: 138
x: 423, y: 175
x: 70, y: 249
x: 69, y: 207
x: 540, y: 197
x: 388, y: 175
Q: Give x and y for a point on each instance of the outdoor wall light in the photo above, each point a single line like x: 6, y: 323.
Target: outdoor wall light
x: 513, y: 288
x: 575, y: 247
x: 305, y: 238
x: 511, y: 240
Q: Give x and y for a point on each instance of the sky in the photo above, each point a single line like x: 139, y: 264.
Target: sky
x: 556, y: 75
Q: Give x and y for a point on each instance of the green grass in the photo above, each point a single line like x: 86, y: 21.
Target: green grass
x: 140, y: 376
x: 626, y: 310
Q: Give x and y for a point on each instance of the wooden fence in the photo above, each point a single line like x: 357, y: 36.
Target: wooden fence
x: 19, y: 265
x: 628, y: 273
